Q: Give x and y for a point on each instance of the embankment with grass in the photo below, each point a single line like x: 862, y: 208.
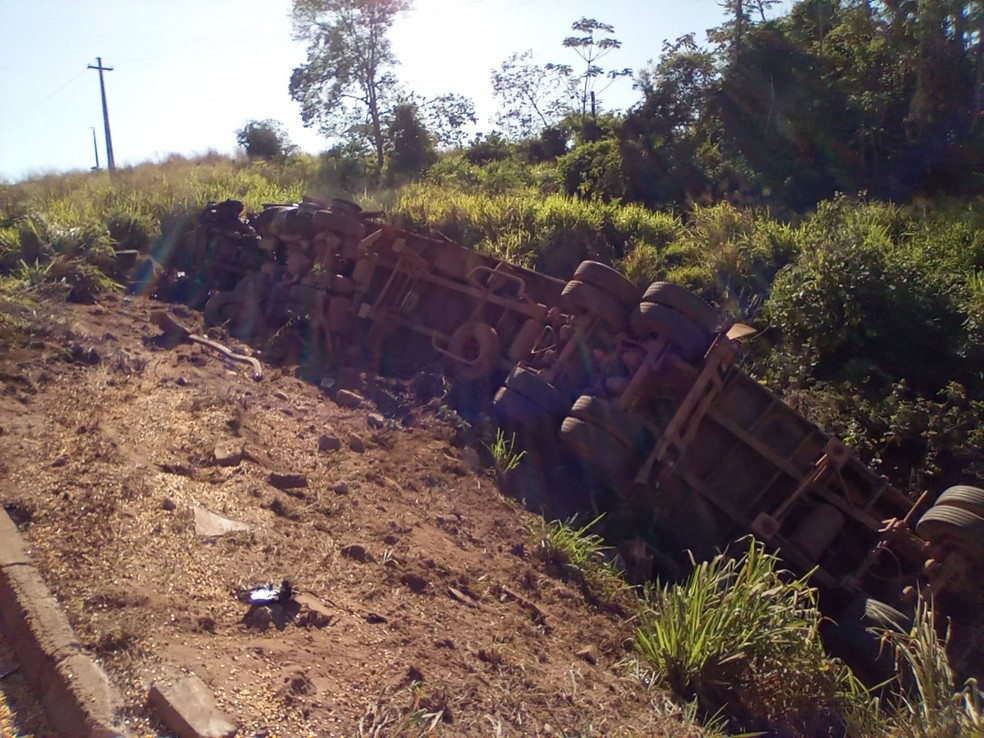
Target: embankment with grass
x: 869, y: 318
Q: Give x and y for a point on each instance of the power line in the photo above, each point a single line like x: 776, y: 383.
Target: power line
x: 192, y: 45
x: 33, y: 108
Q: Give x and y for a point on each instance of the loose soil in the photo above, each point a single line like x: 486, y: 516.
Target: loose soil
x: 423, y: 608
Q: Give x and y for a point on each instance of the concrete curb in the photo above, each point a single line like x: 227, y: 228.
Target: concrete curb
x: 77, y: 696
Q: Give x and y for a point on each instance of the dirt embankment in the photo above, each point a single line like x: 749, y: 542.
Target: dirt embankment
x: 423, y: 608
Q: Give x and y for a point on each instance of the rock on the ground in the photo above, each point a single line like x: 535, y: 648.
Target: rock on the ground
x: 284, y: 480
x: 348, y: 399
x: 358, y: 552
x: 357, y: 444
x: 228, y: 453
x: 187, y: 707
x: 340, y: 488
x: 588, y: 653
x: 210, y: 525
x: 375, y: 420
x: 260, y: 617
x: 329, y: 442
x: 313, y: 611
x: 415, y: 582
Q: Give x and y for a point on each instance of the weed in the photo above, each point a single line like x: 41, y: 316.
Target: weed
x: 561, y: 543
x: 738, y: 634
x: 383, y: 718
x: 580, y: 554
x: 22, y: 313
x: 929, y: 704
x: 504, y: 453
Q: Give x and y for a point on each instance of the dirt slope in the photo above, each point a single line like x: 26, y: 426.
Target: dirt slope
x: 423, y: 608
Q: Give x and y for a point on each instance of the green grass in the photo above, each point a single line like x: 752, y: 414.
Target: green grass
x: 579, y: 554
x: 505, y: 455
x: 553, y: 233
x: 930, y: 704
x: 739, y: 635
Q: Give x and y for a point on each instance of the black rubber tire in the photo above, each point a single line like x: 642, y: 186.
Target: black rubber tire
x: 596, y: 447
x: 586, y: 299
x: 684, y: 302
x: 346, y: 225
x: 342, y: 285
x: 856, y: 638
x: 339, y: 316
x: 341, y: 205
x: 479, y: 339
x: 513, y: 407
x: 609, y: 281
x: 964, y: 496
x: 524, y: 342
x: 253, y: 284
x: 521, y: 412
x: 612, y: 419
x: 650, y: 319
x: 538, y: 391
x: 946, y: 523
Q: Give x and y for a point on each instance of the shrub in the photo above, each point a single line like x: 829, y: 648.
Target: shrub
x: 579, y: 554
x: 593, y: 170
x: 265, y: 139
x: 730, y: 256
x: 492, y: 147
x: 859, y: 307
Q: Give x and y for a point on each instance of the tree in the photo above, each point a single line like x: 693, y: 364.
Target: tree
x: 347, y: 83
x: 265, y: 139
x: 446, y: 116
x: 591, y: 49
x: 531, y: 95
x: 409, y: 147
x: 732, y: 32
x: 666, y: 139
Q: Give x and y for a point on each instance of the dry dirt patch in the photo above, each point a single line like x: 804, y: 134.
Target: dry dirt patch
x: 408, y: 561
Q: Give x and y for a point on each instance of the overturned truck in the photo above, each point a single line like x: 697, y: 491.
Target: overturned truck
x: 638, y: 392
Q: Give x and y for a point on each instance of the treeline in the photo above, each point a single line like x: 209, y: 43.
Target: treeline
x: 835, y: 96
x: 882, y: 97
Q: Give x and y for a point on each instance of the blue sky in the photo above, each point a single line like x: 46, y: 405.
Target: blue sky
x: 188, y: 73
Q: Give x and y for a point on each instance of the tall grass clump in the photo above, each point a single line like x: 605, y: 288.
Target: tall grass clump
x: 68, y: 228
x: 578, y: 553
x: 729, y: 256
x: 739, y: 635
x: 929, y: 703
x: 552, y: 233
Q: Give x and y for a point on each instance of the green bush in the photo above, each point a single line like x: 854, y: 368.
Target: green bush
x: 861, y: 305
x: 730, y: 256
x: 593, y: 170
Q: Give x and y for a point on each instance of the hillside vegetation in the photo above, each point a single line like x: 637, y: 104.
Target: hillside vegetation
x: 870, y: 313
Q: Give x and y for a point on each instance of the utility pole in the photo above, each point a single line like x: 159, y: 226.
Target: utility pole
x: 110, y: 162
x: 95, y: 148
